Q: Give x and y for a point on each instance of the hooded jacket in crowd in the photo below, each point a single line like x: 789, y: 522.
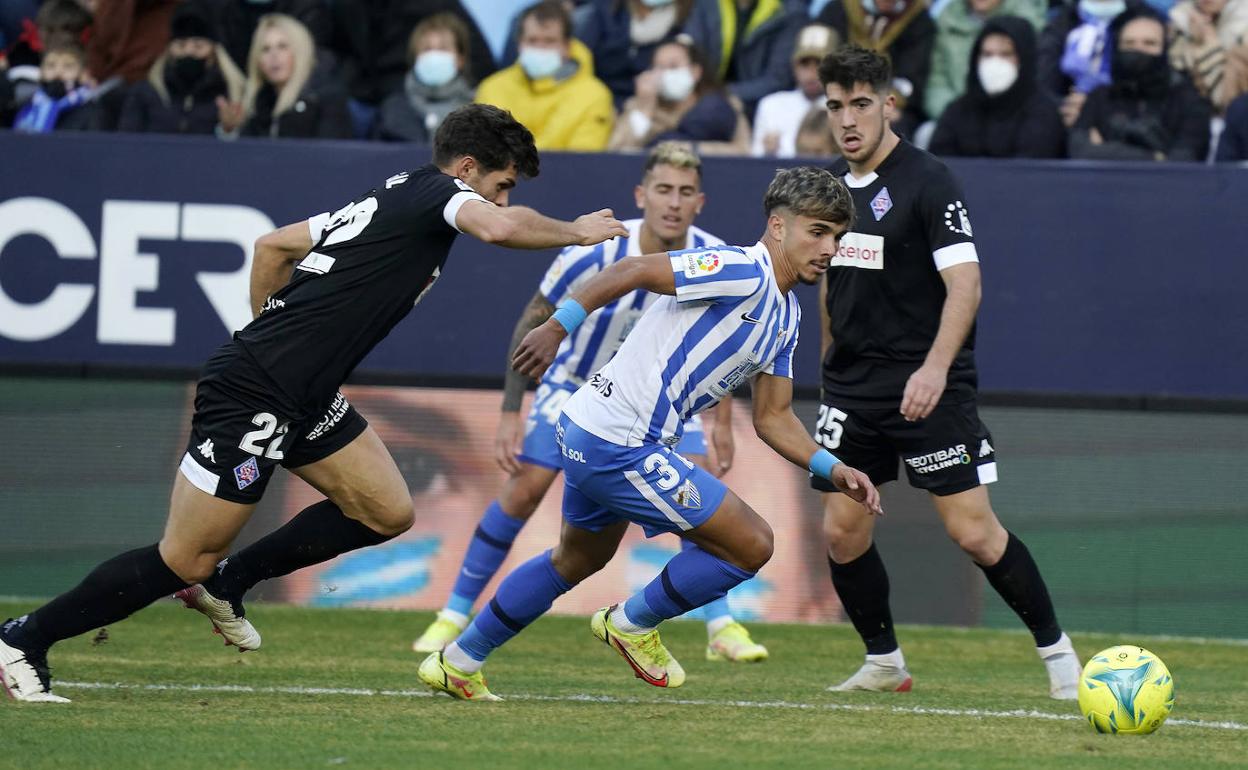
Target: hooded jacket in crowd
x: 1147, y: 112
x: 1021, y: 122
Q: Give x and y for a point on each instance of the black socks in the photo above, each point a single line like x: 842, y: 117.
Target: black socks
x: 862, y: 585
x: 319, y: 533
x: 1017, y: 579
x: 113, y: 591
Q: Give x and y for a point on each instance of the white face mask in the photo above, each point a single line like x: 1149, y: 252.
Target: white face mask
x: 435, y: 68
x: 996, y: 74
x: 675, y: 84
x: 540, y: 63
x: 1102, y: 9
x: 656, y: 3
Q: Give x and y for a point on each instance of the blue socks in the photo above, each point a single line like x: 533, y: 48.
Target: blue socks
x: 712, y: 610
x: 522, y: 598
x: 691, y: 579
x: 489, y: 547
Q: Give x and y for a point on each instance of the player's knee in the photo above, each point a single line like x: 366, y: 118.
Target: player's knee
x: 845, y: 537
x: 520, y: 498
x: 396, y: 517
x: 977, y: 539
x: 756, y: 547
x: 191, y: 567
x: 576, y: 565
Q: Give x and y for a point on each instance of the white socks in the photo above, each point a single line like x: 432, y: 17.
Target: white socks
x: 458, y: 618
x: 1062, y: 645
x: 892, y: 659
x: 454, y: 655
x: 622, y: 623
x: 715, y: 625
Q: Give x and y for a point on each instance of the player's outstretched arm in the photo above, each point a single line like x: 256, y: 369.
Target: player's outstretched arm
x: 510, y: 430
x: 779, y: 428
x: 652, y: 272
x: 519, y: 227
x: 274, y: 257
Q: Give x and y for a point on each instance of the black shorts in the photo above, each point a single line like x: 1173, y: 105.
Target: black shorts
x: 949, y: 452
x: 235, y: 446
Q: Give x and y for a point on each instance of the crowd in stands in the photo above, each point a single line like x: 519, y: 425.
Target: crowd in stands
x: 1148, y: 80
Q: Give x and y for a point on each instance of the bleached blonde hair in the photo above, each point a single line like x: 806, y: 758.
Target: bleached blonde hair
x: 301, y: 45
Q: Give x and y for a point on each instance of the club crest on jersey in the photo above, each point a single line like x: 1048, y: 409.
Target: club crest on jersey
x: 702, y: 263
x: 246, y: 473
x: 957, y: 220
x: 881, y: 204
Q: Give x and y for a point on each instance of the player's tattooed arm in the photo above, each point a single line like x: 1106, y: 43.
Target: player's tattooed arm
x: 536, y: 313
x: 519, y: 227
x: 275, y: 256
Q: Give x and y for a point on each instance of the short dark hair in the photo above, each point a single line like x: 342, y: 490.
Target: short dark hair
x: 547, y: 11
x: 810, y: 192
x: 445, y: 21
x: 852, y: 65
x: 490, y: 135
x: 67, y: 45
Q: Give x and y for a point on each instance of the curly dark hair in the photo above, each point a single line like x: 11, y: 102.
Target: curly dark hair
x: 490, y: 135
x: 852, y: 65
x: 810, y: 192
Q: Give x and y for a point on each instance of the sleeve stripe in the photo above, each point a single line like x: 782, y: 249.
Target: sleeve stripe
x: 955, y: 254
x: 592, y: 259
x: 711, y: 290
x: 451, y: 210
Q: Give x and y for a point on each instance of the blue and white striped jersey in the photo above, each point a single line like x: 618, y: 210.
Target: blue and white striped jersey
x: 595, y: 341
x: 728, y: 321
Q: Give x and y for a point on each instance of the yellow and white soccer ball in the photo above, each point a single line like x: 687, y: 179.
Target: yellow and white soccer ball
x: 1126, y: 690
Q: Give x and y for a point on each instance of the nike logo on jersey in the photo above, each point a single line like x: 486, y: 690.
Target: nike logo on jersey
x: 749, y: 320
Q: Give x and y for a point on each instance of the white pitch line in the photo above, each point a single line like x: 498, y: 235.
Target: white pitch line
x: 611, y: 699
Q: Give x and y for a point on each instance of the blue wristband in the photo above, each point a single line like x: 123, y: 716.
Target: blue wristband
x: 569, y: 314
x: 821, y: 463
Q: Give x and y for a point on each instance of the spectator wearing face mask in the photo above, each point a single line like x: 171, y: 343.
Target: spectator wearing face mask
x: 1148, y: 111
x: 678, y: 99
x: 62, y: 102
x: 957, y: 30
x: 286, y: 96
x: 779, y: 115
x: 904, y: 31
x: 435, y: 85
x: 1210, y: 45
x: 551, y: 89
x: 1074, y: 52
x: 182, y: 88
x: 622, y: 35
x: 1004, y: 113
x: 1233, y: 144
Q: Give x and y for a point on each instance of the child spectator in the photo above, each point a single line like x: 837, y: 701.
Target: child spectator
x: 62, y: 101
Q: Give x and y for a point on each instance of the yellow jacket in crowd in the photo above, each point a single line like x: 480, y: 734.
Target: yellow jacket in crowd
x: 571, y: 114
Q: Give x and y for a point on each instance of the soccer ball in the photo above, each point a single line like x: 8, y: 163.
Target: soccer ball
x: 1126, y: 690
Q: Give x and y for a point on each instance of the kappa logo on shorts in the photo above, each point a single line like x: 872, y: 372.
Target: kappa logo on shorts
x: 985, y: 449
x: 246, y: 473
x: 205, y: 449
x: 881, y: 204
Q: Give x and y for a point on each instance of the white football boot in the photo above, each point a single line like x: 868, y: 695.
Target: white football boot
x: 25, y: 676
x: 880, y: 673
x: 231, y: 626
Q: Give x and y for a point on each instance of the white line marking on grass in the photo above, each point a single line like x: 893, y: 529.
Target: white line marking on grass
x: 612, y: 699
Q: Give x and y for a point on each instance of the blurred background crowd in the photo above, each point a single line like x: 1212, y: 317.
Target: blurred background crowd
x: 1148, y: 80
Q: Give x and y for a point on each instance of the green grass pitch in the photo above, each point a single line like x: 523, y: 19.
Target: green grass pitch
x: 337, y: 688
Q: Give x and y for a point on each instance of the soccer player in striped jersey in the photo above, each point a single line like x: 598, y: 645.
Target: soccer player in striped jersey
x: 728, y: 315
x: 670, y: 197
